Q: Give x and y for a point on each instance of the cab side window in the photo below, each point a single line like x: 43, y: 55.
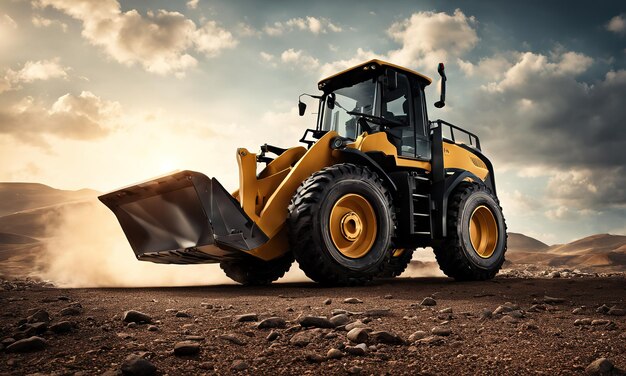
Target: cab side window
x: 396, y: 107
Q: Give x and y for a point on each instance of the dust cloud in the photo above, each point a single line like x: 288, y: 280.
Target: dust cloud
x: 87, y: 248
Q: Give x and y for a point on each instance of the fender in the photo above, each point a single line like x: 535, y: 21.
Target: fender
x: 450, y: 184
x: 358, y: 157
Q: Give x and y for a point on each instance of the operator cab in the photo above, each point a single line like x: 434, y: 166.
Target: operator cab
x: 378, y: 97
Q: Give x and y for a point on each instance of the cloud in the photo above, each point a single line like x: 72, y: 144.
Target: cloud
x: 7, y: 22
x: 192, y: 4
x: 427, y: 38
x: 160, y: 41
x: 312, y: 24
x: 617, y: 24
x: 540, y: 114
x: 32, y: 71
x: 82, y: 117
x: 298, y: 59
x: 40, y: 22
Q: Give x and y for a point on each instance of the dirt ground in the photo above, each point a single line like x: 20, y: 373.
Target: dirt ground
x: 470, y: 338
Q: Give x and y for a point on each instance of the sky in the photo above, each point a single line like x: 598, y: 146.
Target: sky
x: 103, y: 93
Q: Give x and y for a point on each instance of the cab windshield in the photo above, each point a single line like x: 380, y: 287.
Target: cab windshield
x: 358, y: 98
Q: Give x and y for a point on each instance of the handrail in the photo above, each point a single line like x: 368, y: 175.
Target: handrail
x: 475, y: 143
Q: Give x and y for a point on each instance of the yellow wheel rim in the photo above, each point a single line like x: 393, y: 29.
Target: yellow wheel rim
x: 483, y: 231
x: 353, y: 225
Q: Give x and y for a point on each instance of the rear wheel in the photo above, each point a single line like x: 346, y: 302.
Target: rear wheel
x: 340, y: 225
x: 399, y: 261
x: 476, y: 234
x: 254, y: 272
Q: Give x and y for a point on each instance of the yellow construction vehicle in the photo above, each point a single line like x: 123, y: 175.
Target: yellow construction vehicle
x: 375, y: 181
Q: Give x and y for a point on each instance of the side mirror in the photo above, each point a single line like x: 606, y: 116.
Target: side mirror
x: 442, y: 99
x: 301, y: 108
x: 330, y: 101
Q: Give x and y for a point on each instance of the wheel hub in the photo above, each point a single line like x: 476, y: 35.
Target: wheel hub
x: 353, y: 225
x: 483, y: 231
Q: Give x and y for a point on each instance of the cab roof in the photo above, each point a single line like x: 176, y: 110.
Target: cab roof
x: 373, y: 64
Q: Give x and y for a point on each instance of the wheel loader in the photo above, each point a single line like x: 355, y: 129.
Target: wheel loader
x: 374, y: 180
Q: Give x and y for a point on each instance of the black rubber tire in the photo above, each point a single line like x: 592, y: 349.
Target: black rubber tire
x: 309, y: 233
x: 456, y: 256
x: 397, y: 265
x: 255, y: 272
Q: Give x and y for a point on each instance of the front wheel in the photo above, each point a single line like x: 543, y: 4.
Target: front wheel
x: 341, y: 222
x: 476, y: 235
x: 398, y: 262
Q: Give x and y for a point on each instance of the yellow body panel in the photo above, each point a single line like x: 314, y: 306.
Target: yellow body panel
x: 455, y: 156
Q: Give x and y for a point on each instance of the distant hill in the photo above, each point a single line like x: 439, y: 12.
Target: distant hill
x: 16, y: 197
x: 601, y: 252
x: 522, y: 243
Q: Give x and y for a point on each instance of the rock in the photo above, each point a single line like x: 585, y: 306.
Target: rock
x: 186, y: 348
x: 358, y: 335
x: 36, y: 328
x: 441, y: 331
x: 356, y: 324
x: 599, y: 366
x: 315, y: 322
x: 509, y: 319
x: 70, y: 311
x: 28, y: 345
x: 446, y: 310
x: 339, y: 320
x: 385, y: 337
x: 388, y: 296
x: 502, y: 310
x: 302, y: 339
x: 581, y: 322
x: 132, y: 325
x: 334, y: 354
x: 617, y: 312
x: 431, y: 340
x: 314, y: 358
x: 352, y: 301
x: 136, y: 316
x: 599, y: 322
x: 239, y: 365
x: 272, y: 322
x: 233, y: 339
x: 7, y: 341
x: 417, y: 336
x: 486, y: 314
x: 603, y: 309
x: 137, y: 366
x: 206, y: 305
x: 356, y: 350
x: 39, y: 316
x: 194, y: 338
x: 247, y: 317
x: 272, y: 336
x: 328, y: 301
x: 62, y: 327
x: 554, y: 274
x: 428, y: 302
x: 355, y: 370
x: 537, y: 308
x: 338, y: 311
x: 552, y: 300
x: 183, y: 314
x: 517, y: 314
x: 378, y: 312
x: 577, y: 311
x: 153, y: 328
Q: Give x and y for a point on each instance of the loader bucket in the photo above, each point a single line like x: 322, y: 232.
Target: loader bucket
x: 183, y: 218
